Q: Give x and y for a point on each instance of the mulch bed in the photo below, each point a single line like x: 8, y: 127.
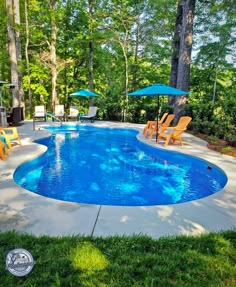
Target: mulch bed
x: 220, y: 146
x: 217, y: 148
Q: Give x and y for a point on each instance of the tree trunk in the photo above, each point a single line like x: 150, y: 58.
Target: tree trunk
x: 27, y: 57
x: 126, y: 104
x: 183, y: 75
x: 53, y: 56
x: 215, y: 78
x: 12, y: 54
x: 91, y: 74
x: 124, y: 46
x: 18, y: 51
x: 214, y: 87
x: 135, y: 65
x: 175, y: 53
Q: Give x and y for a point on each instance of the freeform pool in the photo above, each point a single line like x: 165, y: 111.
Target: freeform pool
x: 105, y: 166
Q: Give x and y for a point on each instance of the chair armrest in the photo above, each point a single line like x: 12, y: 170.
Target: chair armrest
x: 13, y: 129
x: 170, y: 130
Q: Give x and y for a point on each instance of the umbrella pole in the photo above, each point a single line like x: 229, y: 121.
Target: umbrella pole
x: 158, y: 105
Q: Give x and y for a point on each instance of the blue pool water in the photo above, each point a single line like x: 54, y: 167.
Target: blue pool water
x: 93, y: 165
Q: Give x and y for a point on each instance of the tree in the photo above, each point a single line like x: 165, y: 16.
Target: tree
x: 91, y: 51
x: 53, y: 56
x: 215, y: 26
x: 27, y: 36
x: 175, y: 53
x: 181, y: 58
x: 14, y: 48
x: 17, y: 19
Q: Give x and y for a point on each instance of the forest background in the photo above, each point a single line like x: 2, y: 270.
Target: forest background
x: 50, y: 49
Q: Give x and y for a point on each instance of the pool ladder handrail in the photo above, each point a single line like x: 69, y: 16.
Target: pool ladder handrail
x: 53, y: 117
x: 57, y: 119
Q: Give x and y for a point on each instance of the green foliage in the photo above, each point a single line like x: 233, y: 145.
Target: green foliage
x: 207, y: 260
x: 212, y: 120
x: 4, y: 58
x: 213, y: 139
x: 226, y: 149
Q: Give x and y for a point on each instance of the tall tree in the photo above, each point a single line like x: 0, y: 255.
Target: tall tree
x: 27, y: 35
x: 139, y: 8
x: 215, y: 25
x: 181, y: 58
x: 53, y: 56
x: 119, y: 27
x: 14, y: 52
x: 91, y: 50
x: 175, y: 53
x: 18, y: 50
x: 186, y: 42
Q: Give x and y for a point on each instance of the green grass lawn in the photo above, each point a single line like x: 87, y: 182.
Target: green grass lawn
x: 208, y: 260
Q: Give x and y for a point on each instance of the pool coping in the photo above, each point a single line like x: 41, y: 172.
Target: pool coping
x: 24, y: 211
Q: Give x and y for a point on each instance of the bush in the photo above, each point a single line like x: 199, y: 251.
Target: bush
x: 211, y: 120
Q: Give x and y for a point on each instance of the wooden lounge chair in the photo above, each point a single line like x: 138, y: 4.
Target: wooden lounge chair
x: 4, y: 150
x: 91, y: 115
x: 74, y: 113
x: 166, y: 123
x: 151, y: 123
x: 11, y: 134
x: 174, y: 133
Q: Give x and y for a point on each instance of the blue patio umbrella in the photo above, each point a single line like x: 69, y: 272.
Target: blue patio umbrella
x: 158, y: 90
x: 84, y: 93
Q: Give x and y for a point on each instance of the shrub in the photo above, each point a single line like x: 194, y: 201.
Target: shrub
x: 211, y: 120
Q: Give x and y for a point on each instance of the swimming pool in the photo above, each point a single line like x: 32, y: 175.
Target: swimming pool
x: 109, y: 166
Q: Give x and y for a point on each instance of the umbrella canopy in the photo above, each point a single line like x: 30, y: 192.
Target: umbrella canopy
x: 84, y: 93
x: 158, y: 90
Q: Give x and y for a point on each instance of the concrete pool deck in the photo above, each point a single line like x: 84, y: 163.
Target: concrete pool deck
x: 25, y: 211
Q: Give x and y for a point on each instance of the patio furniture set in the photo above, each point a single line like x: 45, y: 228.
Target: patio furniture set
x: 40, y: 114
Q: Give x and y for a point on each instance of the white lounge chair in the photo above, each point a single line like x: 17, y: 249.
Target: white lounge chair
x: 74, y: 113
x: 59, y: 112
x: 91, y: 115
x: 39, y: 113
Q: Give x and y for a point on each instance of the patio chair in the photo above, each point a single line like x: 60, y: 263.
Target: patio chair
x: 174, y: 133
x: 74, y: 113
x: 91, y: 115
x: 59, y: 112
x: 39, y: 113
x: 153, y: 128
x: 11, y: 135
x: 4, y: 149
x: 6, y: 139
x: 151, y: 123
x: 148, y: 126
